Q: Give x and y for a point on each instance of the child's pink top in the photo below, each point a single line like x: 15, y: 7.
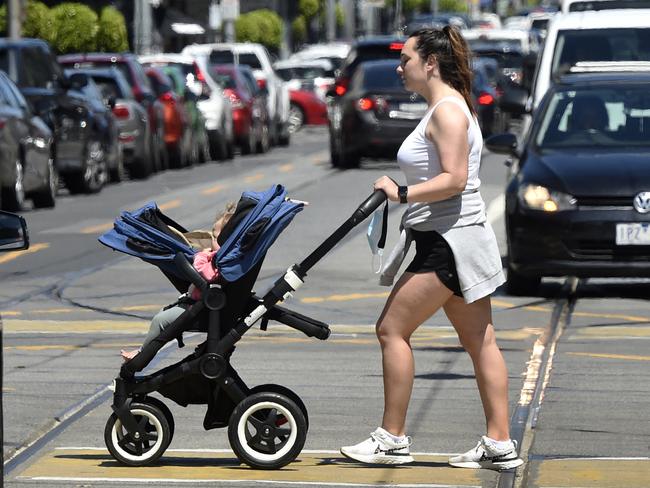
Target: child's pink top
x: 203, y: 264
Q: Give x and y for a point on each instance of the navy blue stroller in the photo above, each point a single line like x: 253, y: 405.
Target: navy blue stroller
x: 267, y: 424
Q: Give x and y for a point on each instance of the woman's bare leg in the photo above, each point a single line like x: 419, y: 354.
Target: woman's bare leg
x: 414, y: 299
x: 473, y: 323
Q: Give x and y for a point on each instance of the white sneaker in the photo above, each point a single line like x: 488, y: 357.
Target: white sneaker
x: 487, y: 455
x: 380, y: 448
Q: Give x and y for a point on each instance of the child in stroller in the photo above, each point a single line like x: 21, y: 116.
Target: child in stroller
x: 204, y: 265
x: 267, y: 424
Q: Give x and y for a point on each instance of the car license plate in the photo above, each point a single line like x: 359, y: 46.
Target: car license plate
x: 420, y: 108
x: 633, y: 234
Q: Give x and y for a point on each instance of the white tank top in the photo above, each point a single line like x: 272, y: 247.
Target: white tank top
x: 418, y: 159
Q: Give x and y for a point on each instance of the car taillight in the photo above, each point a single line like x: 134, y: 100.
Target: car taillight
x: 485, y: 99
x: 199, y: 75
x: 341, y: 87
x: 366, y: 104
x: 261, y: 83
x: 121, y: 112
x: 235, y: 101
x: 396, y: 46
x: 167, y: 97
x: 137, y: 94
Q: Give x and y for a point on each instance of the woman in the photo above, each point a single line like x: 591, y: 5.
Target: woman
x: 457, y: 263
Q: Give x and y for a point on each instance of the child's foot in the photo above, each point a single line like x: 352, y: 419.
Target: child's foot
x: 128, y: 355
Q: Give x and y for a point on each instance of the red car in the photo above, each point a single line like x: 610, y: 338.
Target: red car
x: 176, y: 120
x: 249, y: 114
x: 306, y: 107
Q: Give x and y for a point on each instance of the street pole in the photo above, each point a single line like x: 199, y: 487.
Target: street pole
x: 331, y: 21
x: 398, y: 16
x: 434, y: 7
x: 350, y: 21
x: 14, y: 18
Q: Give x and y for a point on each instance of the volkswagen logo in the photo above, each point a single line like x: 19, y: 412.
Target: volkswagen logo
x: 642, y: 202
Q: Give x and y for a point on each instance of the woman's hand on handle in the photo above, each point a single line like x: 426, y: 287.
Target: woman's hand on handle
x: 388, y: 186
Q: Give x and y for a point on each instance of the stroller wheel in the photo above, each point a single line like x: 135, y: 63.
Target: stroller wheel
x: 138, y: 452
x: 166, y: 412
x: 267, y: 430
x: 283, y: 390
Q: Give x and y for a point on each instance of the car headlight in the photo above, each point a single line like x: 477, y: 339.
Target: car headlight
x: 538, y: 197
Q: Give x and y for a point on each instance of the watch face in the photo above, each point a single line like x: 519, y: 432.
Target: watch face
x: 402, y: 192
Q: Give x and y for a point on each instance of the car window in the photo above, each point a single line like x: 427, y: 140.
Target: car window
x: 108, y: 87
x: 382, y: 78
x: 5, y: 97
x: 122, y: 67
x: 33, y: 68
x: 605, y: 117
x: 222, y: 57
x: 250, y: 82
x: 572, y: 46
x: 250, y: 59
x: 17, y: 96
x: 224, y: 79
x: 4, y: 60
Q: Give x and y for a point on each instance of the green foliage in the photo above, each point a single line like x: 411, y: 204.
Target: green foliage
x: 3, y: 20
x: 263, y: 26
x: 340, y: 15
x: 299, y: 30
x: 39, y: 21
x: 308, y: 8
x: 452, y: 6
x: 111, y: 34
x: 76, y: 28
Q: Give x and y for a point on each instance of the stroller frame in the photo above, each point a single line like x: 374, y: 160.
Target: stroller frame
x: 267, y: 425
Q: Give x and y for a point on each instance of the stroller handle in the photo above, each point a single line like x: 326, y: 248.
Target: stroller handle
x: 367, y: 207
x: 190, y: 274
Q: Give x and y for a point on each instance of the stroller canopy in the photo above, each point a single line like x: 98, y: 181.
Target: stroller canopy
x: 258, y: 220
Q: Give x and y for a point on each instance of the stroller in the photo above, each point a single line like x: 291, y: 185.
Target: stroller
x: 267, y: 424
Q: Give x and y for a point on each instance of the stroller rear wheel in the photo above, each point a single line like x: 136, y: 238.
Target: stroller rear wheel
x: 142, y: 451
x: 283, y: 390
x: 267, y: 430
x: 165, y: 410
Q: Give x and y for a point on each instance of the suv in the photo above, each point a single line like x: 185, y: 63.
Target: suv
x: 32, y: 66
x: 134, y: 73
x: 258, y: 58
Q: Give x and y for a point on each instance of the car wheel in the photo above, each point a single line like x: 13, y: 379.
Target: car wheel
x: 142, y: 167
x: 13, y: 197
x: 95, y: 174
x: 118, y: 173
x: 521, y: 285
x: 264, y: 144
x: 296, y: 118
x: 46, y: 197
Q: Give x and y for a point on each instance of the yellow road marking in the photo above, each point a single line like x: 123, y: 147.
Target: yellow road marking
x: 16, y: 254
x: 628, y: 318
x: 611, y: 332
x: 254, y: 178
x: 212, y: 190
x: 171, y: 204
x: 344, y: 298
x: 631, y: 357
x: 11, y: 313
x: 285, y: 168
x: 312, y: 468
x: 96, y: 229
x: 133, y: 308
x: 592, y: 473
x: 54, y: 310
x: 74, y: 326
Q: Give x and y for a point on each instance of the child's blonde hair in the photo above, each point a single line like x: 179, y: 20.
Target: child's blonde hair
x: 224, y: 216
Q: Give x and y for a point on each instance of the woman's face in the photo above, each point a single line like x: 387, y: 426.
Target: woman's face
x: 411, y: 68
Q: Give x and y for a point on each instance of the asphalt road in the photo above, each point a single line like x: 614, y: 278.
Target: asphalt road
x: 577, y: 353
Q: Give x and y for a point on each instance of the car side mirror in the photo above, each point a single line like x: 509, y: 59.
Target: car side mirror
x: 111, y: 101
x: 514, y: 100
x: 502, y: 144
x: 76, y: 81
x: 13, y: 232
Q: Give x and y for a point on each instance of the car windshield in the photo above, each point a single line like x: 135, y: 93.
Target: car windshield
x: 225, y: 79
x: 122, y: 67
x: 630, y: 44
x: 603, y: 117
x: 382, y: 77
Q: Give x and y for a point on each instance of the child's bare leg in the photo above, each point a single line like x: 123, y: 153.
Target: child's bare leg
x: 161, y: 320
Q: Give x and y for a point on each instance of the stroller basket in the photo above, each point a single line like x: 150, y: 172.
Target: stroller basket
x: 141, y: 426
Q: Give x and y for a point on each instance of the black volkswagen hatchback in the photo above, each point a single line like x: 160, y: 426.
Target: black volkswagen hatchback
x: 578, y: 200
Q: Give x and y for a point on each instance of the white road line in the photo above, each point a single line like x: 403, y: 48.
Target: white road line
x: 223, y: 481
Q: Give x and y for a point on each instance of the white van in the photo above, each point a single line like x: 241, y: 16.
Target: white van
x: 583, y: 5
x: 608, y: 35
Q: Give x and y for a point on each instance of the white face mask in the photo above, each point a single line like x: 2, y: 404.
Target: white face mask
x: 376, y: 235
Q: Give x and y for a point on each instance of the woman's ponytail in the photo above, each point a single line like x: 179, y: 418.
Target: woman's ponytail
x: 453, y: 57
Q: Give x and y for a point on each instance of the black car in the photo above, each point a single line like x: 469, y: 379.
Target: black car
x: 26, y: 165
x: 31, y: 64
x: 376, y: 115
x: 578, y: 200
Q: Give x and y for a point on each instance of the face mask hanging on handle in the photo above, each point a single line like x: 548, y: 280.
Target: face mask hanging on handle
x: 377, y: 230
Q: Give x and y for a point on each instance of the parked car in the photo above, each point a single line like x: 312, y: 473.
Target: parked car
x: 376, y: 115
x: 258, y: 58
x: 178, y: 131
x: 134, y: 73
x: 187, y: 84
x: 249, y: 109
x: 134, y: 130
x: 213, y: 103
x: 321, y: 72
x: 578, y: 199
x: 108, y: 146
x: 26, y: 164
x: 31, y: 65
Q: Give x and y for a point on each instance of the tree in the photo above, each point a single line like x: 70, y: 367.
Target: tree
x: 39, y: 21
x: 263, y: 26
x: 76, y: 28
x: 111, y: 35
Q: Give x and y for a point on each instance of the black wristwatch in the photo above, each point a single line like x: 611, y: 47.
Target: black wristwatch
x: 402, y: 192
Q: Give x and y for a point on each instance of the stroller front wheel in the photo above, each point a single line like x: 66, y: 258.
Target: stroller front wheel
x: 267, y: 430
x: 143, y: 450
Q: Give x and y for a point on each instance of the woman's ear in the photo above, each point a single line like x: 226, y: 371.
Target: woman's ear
x: 432, y: 64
